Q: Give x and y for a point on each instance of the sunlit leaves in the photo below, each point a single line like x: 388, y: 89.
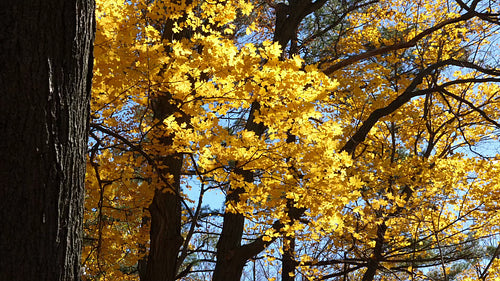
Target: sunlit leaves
x: 413, y: 175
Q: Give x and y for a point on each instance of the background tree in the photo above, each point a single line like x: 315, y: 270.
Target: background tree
x: 46, y: 69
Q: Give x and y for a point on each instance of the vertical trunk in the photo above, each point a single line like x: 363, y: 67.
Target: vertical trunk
x: 231, y: 255
x: 165, y: 210
x: 288, y: 19
x: 288, y: 262
x: 376, y: 257
x: 165, y: 233
x: 288, y: 258
x: 46, y: 69
x: 229, y: 266
x: 230, y: 260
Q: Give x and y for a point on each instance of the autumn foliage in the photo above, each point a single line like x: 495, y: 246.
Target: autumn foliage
x: 351, y: 140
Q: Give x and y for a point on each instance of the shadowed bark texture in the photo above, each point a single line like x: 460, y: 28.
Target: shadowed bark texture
x: 45, y: 77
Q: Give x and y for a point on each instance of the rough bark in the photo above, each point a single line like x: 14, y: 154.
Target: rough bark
x: 165, y: 233
x: 45, y: 75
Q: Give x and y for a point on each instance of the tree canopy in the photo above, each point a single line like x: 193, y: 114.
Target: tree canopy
x: 349, y: 140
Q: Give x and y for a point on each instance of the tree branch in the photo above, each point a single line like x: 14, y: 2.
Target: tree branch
x: 395, y: 47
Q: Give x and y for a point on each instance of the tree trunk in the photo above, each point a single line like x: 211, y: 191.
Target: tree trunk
x: 289, y: 264
x: 230, y: 262
x: 45, y: 75
x: 165, y: 233
x: 231, y: 255
x: 230, y: 259
x: 163, y: 261
x: 376, y: 258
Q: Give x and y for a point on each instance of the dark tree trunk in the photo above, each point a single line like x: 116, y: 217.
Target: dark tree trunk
x: 163, y: 260
x: 45, y: 77
x: 376, y: 258
x: 230, y: 262
x: 165, y: 233
x: 230, y: 257
x: 289, y: 264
